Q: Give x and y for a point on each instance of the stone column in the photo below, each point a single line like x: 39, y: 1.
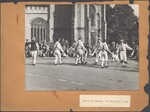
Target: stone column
x: 82, y: 23
x: 45, y: 35
x: 51, y: 22
x: 89, y: 25
x: 100, y: 22
x: 27, y: 24
x: 75, y: 21
x: 39, y: 34
x: 32, y: 32
x: 72, y: 23
x: 105, y: 22
x: 89, y: 31
x: 36, y: 33
x: 79, y: 22
x: 43, y: 38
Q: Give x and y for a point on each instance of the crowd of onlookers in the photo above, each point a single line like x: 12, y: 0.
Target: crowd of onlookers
x: 47, y: 50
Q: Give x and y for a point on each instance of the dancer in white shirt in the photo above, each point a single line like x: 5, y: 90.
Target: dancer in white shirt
x: 80, y: 52
x: 122, y: 49
x: 57, y: 52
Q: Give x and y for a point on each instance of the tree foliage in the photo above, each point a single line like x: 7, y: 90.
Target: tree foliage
x: 122, y: 23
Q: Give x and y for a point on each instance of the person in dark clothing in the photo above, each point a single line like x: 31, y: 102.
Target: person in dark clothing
x: 134, y: 54
x: 88, y: 48
x: 34, y: 49
x: 51, y: 50
x: 44, y: 49
x: 27, y: 48
x: 113, y: 49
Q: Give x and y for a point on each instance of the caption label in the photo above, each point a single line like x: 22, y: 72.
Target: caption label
x: 105, y: 100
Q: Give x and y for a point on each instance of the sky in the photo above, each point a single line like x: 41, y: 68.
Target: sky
x: 134, y: 7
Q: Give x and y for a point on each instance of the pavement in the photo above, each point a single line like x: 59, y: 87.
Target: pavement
x: 47, y: 76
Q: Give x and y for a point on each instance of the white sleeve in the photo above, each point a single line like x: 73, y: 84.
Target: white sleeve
x: 59, y: 47
x: 37, y: 46
x: 128, y: 48
x: 107, y: 48
x: 81, y: 44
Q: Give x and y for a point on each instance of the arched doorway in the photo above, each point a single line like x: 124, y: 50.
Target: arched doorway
x: 63, y: 22
x: 39, y: 30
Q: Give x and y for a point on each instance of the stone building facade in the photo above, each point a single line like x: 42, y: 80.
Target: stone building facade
x: 49, y: 22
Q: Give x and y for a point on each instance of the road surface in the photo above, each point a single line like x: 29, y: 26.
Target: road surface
x: 47, y: 76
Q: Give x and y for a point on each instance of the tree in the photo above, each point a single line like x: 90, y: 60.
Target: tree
x: 122, y: 23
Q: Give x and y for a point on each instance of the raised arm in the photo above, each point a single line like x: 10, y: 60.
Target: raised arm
x: 128, y: 48
x: 106, y: 48
x: 37, y: 46
x: 59, y: 47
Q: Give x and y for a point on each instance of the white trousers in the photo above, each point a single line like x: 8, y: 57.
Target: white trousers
x: 79, y: 56
x: 57, y: 55
x: 123, y: 56
x: 98, y: 56
x: 115, y: 57
x: 104, y: 58
x: 34, y: 56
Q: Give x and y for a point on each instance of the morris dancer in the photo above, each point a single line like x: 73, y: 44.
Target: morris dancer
x: 57, y: 52
x: 98, y: 50
x: 122, y: 48
x: 80, y: 51
x: 113, y: 48
x: 104, y: 55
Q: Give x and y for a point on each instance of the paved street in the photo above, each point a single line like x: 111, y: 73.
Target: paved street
x: 47, y: 76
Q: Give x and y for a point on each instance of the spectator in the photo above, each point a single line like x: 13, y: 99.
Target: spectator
x: 34, y: 49
x: 27, y: 49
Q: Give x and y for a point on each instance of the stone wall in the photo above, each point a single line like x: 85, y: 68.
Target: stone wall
x: 69, y: 21
x: 32, y: 12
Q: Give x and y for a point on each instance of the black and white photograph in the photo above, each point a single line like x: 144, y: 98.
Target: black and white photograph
x: 83, y: 47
